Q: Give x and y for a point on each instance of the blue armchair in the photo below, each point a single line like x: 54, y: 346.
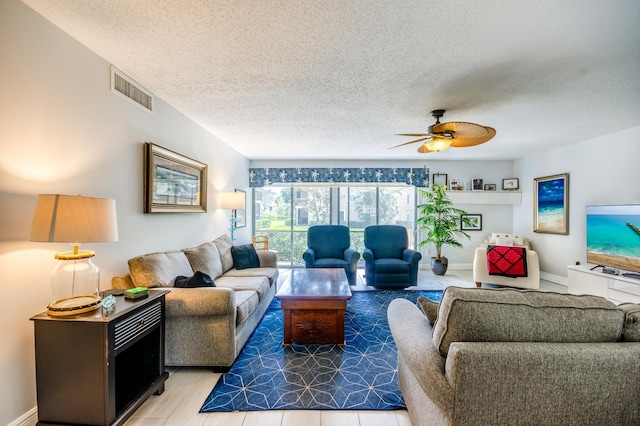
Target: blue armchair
x: 329, y: 246
x: 388, y: 261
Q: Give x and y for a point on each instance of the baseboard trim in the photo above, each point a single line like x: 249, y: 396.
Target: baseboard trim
x: 554, y: 278
x: 27, y: 419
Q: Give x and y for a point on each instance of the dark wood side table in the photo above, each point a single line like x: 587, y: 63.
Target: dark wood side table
x: 97, y: 370
x: 314, y: 301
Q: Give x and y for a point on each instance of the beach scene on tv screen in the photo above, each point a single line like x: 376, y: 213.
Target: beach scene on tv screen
x: 614, y: 231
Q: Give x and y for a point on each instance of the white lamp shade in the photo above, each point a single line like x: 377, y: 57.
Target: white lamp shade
x: 232, y: 200
x: 74, y: 219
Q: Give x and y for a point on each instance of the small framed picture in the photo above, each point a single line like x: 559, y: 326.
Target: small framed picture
x: 477, y: 185
x: 489, y: 186
x: 471, y: 222
x: 440, y: 179
x: 241, y: 215
x: 454, y: 185
x: 510, y: 184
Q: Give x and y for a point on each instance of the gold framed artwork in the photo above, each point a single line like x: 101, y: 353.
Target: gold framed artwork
x: 551, y: 204
x: 173, y: 183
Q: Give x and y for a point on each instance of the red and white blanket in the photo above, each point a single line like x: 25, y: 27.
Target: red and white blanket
x: 507, y: 261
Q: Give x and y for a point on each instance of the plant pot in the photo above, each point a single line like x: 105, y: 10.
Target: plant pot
x: 439, y: 266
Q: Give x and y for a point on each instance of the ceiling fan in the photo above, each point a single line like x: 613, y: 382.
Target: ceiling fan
x: 456, y: 134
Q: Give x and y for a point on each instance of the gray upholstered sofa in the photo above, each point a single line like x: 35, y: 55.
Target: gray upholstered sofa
x: 206, y: 326
x: 518, y: 357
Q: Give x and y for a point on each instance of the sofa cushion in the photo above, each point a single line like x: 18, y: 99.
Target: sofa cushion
x: 199, y: 279
x: 258, y: 284
x: 223, y: 244
x: 631, y: 329
x: 506, y: 315
x: 205, y: 258
x: 159, y: 269
x: 245, y: 257
x: 246, y: 303
x: 270, y: 273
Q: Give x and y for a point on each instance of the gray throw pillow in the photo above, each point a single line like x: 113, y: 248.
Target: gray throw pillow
x: 430, y: 308
x: 631, y: 328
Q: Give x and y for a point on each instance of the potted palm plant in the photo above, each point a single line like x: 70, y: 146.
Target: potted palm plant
x: 440, y: 222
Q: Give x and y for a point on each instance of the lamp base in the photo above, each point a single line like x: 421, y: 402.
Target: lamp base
x: 73, y: 305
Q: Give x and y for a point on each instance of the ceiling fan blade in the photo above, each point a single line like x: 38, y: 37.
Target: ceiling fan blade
x: 410, y: 142
x: 461, y: 129
x: 467, y: 142
x: 414, y: 134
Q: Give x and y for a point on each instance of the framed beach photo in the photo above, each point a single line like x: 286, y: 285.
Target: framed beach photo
x: 477, y: 185
x: 551, y: 204
x: 440, y: 179
x: 173, y: 183
x: 471, y: 222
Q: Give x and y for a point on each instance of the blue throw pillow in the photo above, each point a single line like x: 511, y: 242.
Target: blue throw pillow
x: 245, y: 256
x: 199, y: 279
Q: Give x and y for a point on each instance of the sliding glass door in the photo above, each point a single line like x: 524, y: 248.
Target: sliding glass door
x: 285, y: 213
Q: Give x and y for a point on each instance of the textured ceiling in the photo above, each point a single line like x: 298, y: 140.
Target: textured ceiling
x: 337, y: 79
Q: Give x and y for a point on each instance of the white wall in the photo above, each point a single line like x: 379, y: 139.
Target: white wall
x: 603, y: 170
x: 63, y: 131
x: 496, y: 218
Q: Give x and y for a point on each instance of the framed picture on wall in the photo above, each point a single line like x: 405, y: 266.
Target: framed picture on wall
x: 173, y: 183
x: 551, y: 204
x: 471, y: 222
x: 477, y: 185
x: 241, y: 215
x: 440, y: 179
x: 489, y: 186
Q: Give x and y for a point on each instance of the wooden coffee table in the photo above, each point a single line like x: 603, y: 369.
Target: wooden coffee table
x: 313, y: 301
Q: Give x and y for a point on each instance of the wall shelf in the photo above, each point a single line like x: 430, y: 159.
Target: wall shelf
x: 485, y: 197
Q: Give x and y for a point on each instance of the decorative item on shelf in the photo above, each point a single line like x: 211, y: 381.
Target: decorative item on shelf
x: 232, y: 201
x: 455, y: 185
x: 439, y: 219
x: 477, y: 185
x: 489, y: 186
x: 74, y: 219
x: 510, y: 184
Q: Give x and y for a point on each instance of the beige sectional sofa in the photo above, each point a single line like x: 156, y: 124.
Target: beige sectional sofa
x: 206, y: 326
x: 518, y: 357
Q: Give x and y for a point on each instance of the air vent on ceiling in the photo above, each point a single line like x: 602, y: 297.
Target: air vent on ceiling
x: 124, y: 85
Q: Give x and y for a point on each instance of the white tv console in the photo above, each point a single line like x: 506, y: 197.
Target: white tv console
x: 617, y: 288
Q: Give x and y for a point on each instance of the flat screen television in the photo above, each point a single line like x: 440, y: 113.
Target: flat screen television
x: 613, y: 236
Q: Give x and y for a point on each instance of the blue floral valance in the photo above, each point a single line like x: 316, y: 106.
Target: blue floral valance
x: 259, y: 177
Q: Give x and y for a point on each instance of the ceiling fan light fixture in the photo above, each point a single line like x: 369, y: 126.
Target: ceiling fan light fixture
x: 438, y: 144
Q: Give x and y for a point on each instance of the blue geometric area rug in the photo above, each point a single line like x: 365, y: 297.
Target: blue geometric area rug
x: 359, y: 376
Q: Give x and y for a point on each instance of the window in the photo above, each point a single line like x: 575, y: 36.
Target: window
x: 285, y: 213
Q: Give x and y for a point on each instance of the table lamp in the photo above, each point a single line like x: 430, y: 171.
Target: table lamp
x: 232, y: 201
x: 74, y: 219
